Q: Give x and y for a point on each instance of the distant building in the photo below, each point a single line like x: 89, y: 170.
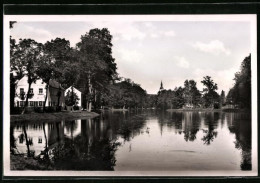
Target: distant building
x: 78, y: 93
x: 38, y: 92
x: 161, y: 87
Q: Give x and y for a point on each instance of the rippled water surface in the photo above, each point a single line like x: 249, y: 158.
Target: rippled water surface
x: 144, y: 140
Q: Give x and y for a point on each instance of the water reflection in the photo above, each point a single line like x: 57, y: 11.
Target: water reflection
x: 125, y: 141
x: 242, y: 130
x: 211, y: 121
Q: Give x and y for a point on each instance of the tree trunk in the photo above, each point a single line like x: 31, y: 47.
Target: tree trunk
x: 90, y: 93
x: 89, y: 106
x: 27, y: 142
x: 59, y: 95
x: 12, y: 92
x: 44, y: 104
x: 26, y: 101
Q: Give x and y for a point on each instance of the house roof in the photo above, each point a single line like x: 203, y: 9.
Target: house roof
x: 69, y: 88
x: 55, y: 84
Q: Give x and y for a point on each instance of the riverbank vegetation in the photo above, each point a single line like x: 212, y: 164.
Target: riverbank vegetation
x: 91, y: 68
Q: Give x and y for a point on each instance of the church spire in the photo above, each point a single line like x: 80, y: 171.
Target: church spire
x: 161, y: 88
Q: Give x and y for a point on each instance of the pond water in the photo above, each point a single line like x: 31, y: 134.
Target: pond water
x: 145, y: 140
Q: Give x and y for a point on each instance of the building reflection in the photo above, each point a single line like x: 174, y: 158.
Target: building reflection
x: 33, y: 138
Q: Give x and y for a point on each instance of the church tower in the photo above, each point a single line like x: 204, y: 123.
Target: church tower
x: 161, y: 88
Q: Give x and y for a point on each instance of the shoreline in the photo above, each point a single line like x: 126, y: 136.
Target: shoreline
x: 53, y: 116
x: 208, y: 110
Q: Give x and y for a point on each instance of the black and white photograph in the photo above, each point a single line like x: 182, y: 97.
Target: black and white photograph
x: 130, y: 95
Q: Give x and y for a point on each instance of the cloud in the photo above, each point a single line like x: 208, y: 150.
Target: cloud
x: 215, y: 47
x: 38, y: 34
x: 169, y: 33
x: 182, y: 62
x: 123, y: 30
x: 149, y: 25
x: 131, y: 56
x: 154, y: 35
x: 224, y: 78
x: 159, y: 34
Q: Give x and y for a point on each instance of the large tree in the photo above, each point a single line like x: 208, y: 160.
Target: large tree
x: 63, y: 65
x: 211, y: 97
x: 98, y: 68
x: 191, y: 93
x: 24, y: 61
x: 240, y: 94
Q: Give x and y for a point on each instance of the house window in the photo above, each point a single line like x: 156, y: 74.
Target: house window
x: 30, y: 141
x: 39, y: 140
x: 31, y: 103
x: 21, y: 103
x: 36, y: 104
x: 20, y: 139
x: 40, y: 91
x: 21, y: 91
x: 31, y: 91
x: 40, y: 103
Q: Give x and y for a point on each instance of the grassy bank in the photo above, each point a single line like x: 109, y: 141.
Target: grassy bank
x: 53, y: 116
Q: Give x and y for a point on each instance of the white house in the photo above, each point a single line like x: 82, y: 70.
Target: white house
x: 38, y: 91
x: 76, y: 91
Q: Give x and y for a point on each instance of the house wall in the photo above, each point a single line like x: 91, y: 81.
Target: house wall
x: 39, y: 92
x: 78, y: 93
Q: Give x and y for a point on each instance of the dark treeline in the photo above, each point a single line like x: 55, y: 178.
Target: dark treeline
x: 91, y: 68
x: 240, y: 94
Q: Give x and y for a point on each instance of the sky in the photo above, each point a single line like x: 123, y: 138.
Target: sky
x: 149, y: 52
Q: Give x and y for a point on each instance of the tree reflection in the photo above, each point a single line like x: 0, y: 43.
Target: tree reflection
x: 191, y: 125
x: 132, y: 127
x: 91, y: 150
x: 211, y: 120
x: 240, y: 125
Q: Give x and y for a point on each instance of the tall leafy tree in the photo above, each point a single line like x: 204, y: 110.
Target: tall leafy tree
x: 178, y: 100
x: 240, y: 94
x: 24, y: 60
x: 97, y: 64
x: 64, y: 63
x: 210, y: 96
x: 191, y: 93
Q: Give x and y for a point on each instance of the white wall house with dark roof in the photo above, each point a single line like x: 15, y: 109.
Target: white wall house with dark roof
x: 78, y: 93
x: 38, y: 91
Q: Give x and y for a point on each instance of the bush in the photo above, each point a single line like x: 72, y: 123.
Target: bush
x: 58, y: 108
x: 216, y: 106
x: 75, y: 108
x: 50, y: 109
x: 38, y: 109
x: 16, y: 110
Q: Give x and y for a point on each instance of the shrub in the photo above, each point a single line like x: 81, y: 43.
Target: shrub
x: 38, y: 109
x: 76, y: 107
x: 58, y: 108
x: 50, y: 109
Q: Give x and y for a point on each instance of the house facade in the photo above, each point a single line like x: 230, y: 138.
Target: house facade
x: 77, y: 92
x: 38, y: 92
